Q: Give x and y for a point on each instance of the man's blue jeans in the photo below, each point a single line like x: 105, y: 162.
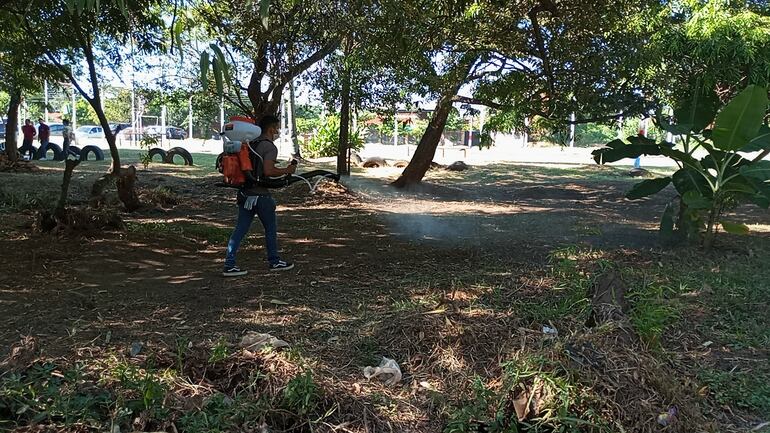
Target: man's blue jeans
x: 265, y: 210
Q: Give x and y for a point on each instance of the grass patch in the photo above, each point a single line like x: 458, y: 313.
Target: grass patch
x: 747, y: 390
x: 209, y: 233
x: 555, y: 401
x: 568, y: 297
x: 543, y: 173
x: 236, y: 394
x: 652, y: 311
x: 17, y: 200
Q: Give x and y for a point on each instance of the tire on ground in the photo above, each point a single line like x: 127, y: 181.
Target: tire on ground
x: 74, y: 150
x: 58, y: 155
x: 33, y: 155
x: 98, y: 154
x: 174, y: 151
x: 400, y: 163
x: 218, y: 164
x: 157, y: 151
x: 457, y: 166
x: 355, y: 159
x: 374, y: 162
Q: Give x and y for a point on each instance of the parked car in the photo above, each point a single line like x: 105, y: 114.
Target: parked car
x: 172, y: 132
x: 89, y: 131
x: 56, y: 128
x: 2, y: 129
x: 117, y: 128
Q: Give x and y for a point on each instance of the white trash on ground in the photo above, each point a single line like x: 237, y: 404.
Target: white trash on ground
x: 388, y: 370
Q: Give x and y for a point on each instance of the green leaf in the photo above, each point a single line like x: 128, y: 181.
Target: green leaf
x: 264, y: 13
x: 738, y: 123
x: 688, y: 179
x: 221, y: 57
x: 123, y: 9
x: 218, y: 76
x: 680, y: 156
x: 648, y: 187
x: 760, y: 142
x: 694, y: 200
x: 617, y: 150
x: 177, y: 30
x: 696, y: 111
x: 734, y: 228
x: 667, y: 234
x: 757, y: 170
x: 204, y: 69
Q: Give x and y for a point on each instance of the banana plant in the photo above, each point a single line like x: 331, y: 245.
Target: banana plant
x: 715, y: 184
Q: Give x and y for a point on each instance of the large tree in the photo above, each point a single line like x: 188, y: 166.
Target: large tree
x: 534, y: 57
x: 254, y: 59
x: 97, y: 34
x: 716, y: 45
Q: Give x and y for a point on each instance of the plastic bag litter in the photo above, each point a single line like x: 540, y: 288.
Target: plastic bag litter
x: 667, y: 418
x: 255, y: 341
x: 388, y: 370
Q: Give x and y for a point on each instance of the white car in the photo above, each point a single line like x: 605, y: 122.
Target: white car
x: 89, y: 131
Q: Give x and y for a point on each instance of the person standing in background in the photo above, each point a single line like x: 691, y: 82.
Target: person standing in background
x: 67, y: 136
x: 28, y: 131
x: 43, y: 134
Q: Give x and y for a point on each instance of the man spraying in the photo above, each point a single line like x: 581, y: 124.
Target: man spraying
x: 254, y: 200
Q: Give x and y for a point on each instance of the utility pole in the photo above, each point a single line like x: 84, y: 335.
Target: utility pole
x: 221, y: 115
x: 189, y: 118
x: 395, y: 128
x: 163, y: 126
x: 45, y: 90
x: 74, y: 110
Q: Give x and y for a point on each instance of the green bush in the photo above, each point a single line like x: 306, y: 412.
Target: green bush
x: 326, y: 141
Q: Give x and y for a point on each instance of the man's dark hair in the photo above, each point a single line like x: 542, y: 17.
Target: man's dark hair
x: 268, y: 121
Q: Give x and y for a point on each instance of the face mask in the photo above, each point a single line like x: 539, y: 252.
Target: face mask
x: 276, y: 136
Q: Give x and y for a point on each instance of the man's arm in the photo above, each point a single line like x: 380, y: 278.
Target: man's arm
x: 271, y: 170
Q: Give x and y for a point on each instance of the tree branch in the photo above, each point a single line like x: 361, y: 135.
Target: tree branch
x: 66, y: 71
x: 545, y: 5
x: 477, y: 101
x: 310, y: 61
x: 239, y: 103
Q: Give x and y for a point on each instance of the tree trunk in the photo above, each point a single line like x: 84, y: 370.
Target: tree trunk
x: 293, y: 108
x: 125, y: 179
x: 344, y: 139
x: 11, y: 135
x: 69, y: 167
x: 426, y: 149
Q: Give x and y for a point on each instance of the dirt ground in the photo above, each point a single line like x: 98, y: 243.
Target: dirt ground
x: 378, y: 273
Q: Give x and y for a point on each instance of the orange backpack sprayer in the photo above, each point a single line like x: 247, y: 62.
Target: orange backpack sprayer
x: 237, y: 135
